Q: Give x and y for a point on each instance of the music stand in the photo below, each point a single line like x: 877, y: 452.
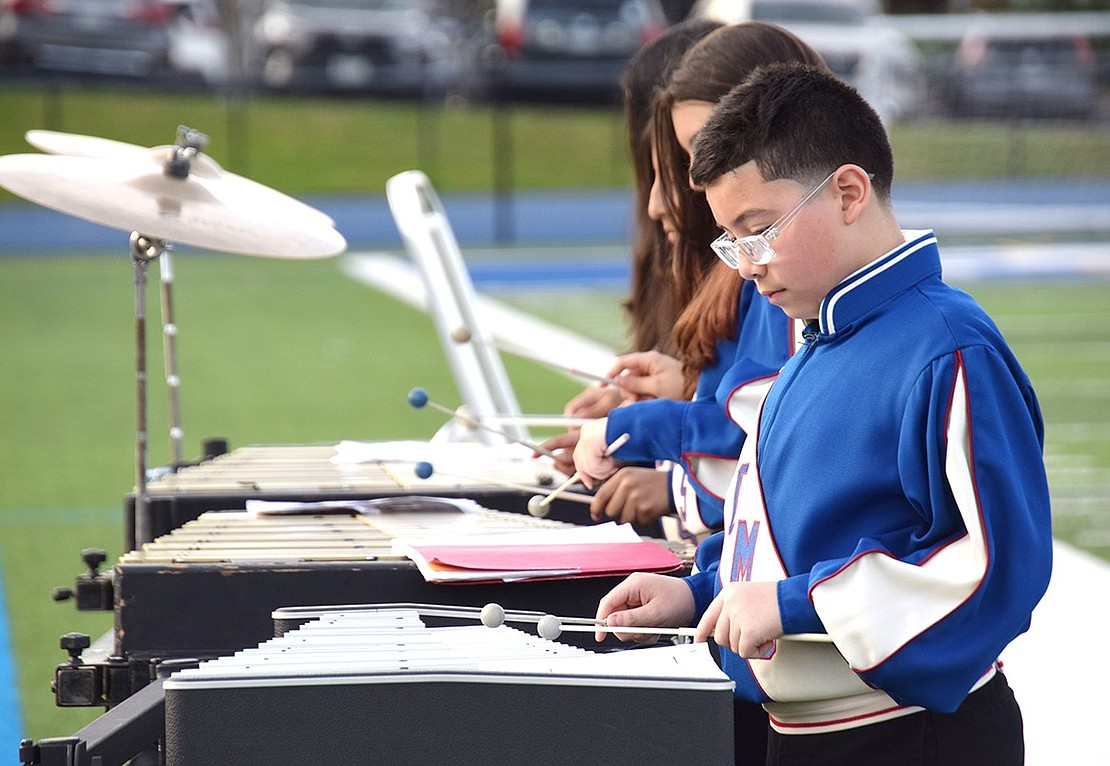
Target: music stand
x: 475, y: 362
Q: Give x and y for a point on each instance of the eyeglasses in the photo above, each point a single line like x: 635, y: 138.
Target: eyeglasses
x: 757, y: 247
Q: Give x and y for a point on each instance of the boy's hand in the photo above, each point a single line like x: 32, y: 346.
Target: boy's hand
x: 651, y: 600
x: 744, y: 617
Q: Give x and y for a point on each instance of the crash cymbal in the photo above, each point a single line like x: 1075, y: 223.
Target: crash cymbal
x: 78, y: 145
x: 208, y: 208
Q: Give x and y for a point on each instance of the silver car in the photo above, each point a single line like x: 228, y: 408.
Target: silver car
x: 1032, y: 73
x: 382, y: 46
x: 857, y: 43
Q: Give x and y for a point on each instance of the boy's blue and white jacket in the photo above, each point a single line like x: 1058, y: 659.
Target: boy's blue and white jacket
x: 694, y: 435
x: 895, y: 489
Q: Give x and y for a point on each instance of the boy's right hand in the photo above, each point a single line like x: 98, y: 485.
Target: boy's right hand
x: 651, y: 600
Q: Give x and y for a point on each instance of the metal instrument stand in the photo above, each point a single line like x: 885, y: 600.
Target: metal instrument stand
x: 143, y: 250
x: 188, y: 145
x: 169, y: 356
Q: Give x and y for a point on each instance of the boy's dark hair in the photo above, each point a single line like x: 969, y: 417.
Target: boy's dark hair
x: 796, y: 122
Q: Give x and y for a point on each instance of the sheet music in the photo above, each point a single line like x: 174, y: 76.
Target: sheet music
x: 409, y: 504
x: 455, y: 455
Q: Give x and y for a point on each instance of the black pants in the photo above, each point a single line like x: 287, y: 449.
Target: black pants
x: 986, y: 730
x: 751, y: 730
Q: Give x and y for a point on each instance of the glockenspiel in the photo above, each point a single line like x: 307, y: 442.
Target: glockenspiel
x: 383, y: 686
x: 502, y: 477
x: 208, y: 588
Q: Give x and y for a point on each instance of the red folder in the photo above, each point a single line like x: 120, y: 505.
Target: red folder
x: 576, y: 560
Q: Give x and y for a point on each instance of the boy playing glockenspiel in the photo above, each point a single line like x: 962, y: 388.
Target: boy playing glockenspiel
x: 893, y: 495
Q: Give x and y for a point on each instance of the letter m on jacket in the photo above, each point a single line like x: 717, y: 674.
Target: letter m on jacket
x: 744, y: 552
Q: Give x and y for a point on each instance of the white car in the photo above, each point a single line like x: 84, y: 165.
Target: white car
x: 394, y: 47
x: 881, y: 62
x: 198, y: 44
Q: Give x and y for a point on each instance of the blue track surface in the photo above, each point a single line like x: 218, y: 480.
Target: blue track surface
x: 11, y: 723
x: 604, y: 217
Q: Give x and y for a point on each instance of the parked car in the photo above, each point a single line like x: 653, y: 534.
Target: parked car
x: 565, y: 50
x: 383, y: 46
x: 857, y: 43
x: 97, y: 37
x: 1035, y: 73
x: 198, y: 44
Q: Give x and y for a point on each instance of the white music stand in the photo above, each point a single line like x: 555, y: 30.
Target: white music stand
x: 476, y: 365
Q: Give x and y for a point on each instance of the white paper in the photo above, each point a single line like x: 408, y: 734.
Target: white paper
x: 367, y: 507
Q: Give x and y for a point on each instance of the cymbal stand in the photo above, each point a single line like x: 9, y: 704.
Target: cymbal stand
x: 169, y: 357
x: 143, y: 251
x: 188, y: 144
